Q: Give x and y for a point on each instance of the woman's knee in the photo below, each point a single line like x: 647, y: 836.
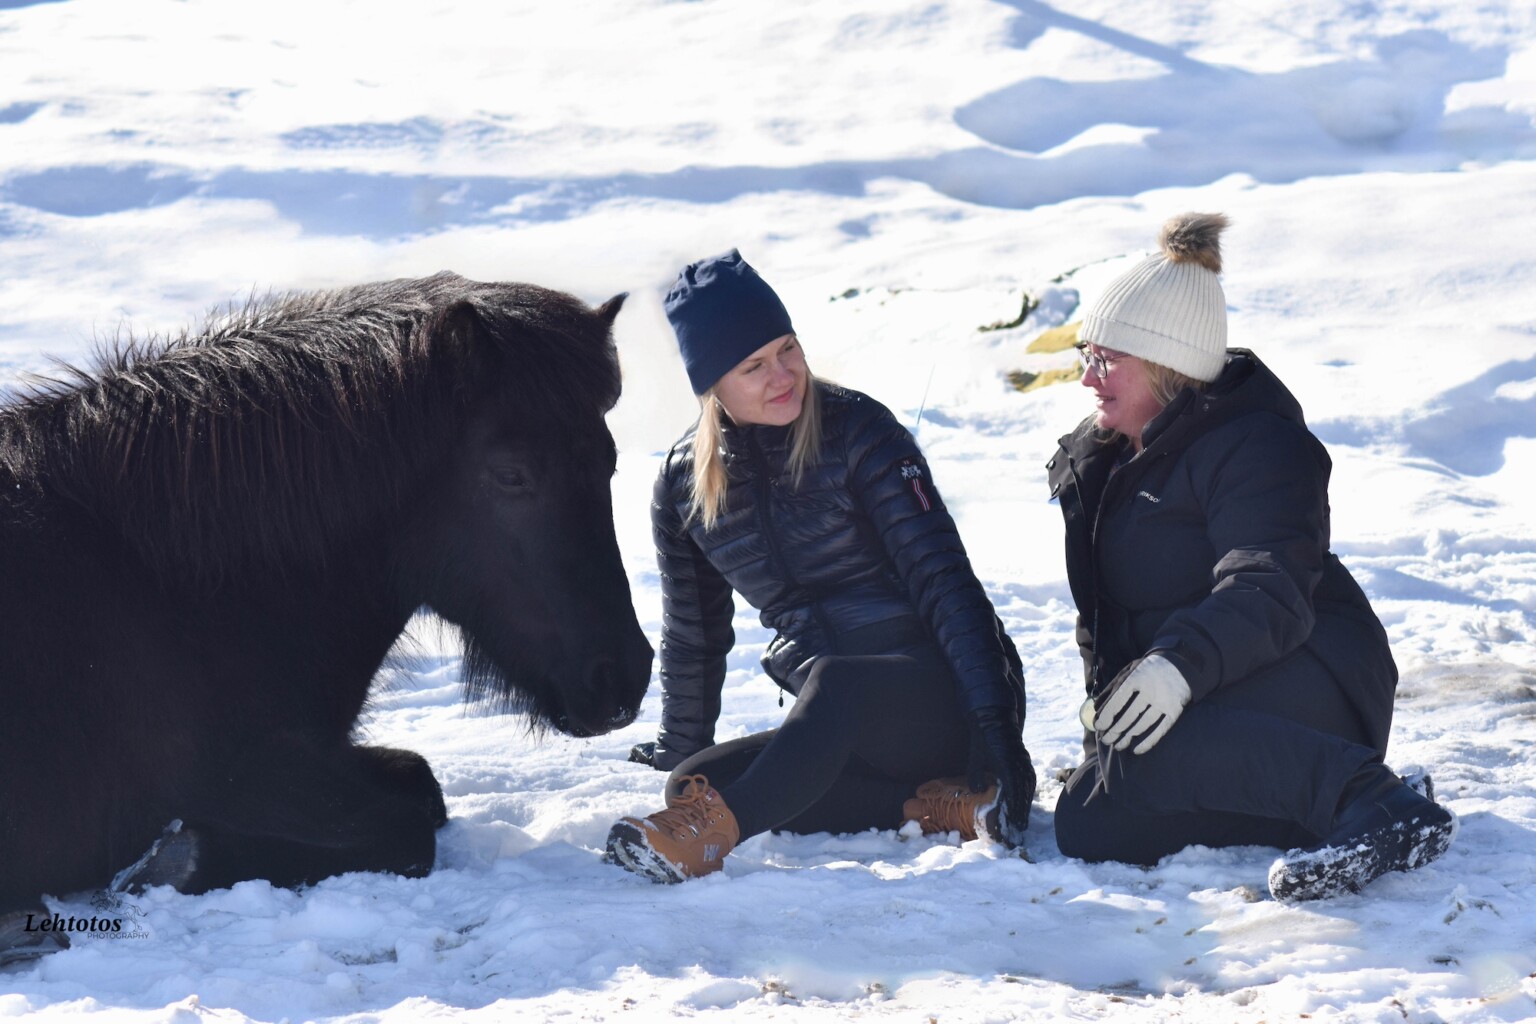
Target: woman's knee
x: 1091, y: 825
x: 1079, y: 833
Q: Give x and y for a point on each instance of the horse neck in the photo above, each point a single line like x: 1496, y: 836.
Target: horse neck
x: 215, y: 492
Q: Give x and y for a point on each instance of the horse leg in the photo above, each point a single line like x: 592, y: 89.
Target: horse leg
x: 407, y: 773
x: 297, y: 814
x: 23, y: 938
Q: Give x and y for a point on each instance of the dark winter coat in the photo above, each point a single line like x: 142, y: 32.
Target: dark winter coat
x: 861, y: 558
x: 1211, y: 547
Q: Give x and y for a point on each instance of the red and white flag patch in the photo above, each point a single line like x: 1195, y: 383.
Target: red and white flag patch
x: 912, y: 472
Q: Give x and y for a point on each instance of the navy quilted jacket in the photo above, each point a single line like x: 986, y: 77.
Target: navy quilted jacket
x: 863, y: 548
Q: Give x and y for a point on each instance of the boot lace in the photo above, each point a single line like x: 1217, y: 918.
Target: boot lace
x: 690, y: 812
x: 955, y: 809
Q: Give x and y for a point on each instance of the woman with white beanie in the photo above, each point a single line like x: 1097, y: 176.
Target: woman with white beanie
x: 1240, y: 687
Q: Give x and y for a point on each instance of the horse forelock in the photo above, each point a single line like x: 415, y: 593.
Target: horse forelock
x: 293, y: 421
x: 553, y: 342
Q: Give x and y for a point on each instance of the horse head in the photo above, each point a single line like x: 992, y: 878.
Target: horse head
x: 518, y: 539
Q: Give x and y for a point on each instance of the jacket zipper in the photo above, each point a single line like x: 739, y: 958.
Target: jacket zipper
x: 1119, y: 471
x: 1116, y: 472
x: 775, y: 555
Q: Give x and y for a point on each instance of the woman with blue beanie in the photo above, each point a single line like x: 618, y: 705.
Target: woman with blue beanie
x: 815, y: 505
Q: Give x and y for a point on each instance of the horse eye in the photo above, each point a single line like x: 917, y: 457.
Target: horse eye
x: 510, y: 479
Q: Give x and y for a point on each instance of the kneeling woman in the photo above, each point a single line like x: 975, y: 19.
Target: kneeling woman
x: 1240, y: 686
x: 814, y: 504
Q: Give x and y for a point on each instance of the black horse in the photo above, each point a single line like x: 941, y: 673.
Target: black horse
x: 209, y: 544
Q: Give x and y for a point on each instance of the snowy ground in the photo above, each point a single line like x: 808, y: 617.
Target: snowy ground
x: 903, y: 172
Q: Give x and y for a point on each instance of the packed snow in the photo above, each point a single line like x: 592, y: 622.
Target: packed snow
x: 904, y: 172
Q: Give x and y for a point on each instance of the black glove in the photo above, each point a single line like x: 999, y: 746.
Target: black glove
x: 997, y: 748
x: 651, y: 752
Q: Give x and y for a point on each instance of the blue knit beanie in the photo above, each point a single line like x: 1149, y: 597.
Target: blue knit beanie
x: 722, y: 312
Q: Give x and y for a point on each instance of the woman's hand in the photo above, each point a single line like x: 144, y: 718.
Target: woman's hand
x: 997, y: 747
x: 1145, y: 699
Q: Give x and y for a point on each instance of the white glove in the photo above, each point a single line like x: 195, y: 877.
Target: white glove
x: 1151, y: 696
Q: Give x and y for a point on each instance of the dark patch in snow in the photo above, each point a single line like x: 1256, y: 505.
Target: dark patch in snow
x: 16, y: 113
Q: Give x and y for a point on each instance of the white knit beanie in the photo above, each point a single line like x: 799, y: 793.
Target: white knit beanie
x: 1169, y: 309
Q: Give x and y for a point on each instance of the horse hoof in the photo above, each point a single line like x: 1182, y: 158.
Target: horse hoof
x: 20, y: 943
x: 171, y: 860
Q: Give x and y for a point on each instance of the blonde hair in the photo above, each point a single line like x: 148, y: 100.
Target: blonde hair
x: 709, y: 476
x: 1166, y: 382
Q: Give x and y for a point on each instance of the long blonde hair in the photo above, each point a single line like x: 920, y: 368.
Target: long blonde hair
x: 709, y: 476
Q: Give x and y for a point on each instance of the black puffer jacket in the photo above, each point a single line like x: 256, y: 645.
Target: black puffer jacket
x: 863, y: 551
x: 1211, y: 547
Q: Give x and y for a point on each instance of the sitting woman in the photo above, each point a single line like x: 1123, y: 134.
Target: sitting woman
x: 815, y: 505
x: 1240, y: 686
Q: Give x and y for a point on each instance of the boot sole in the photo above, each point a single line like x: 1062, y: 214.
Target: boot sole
x: 171, y: 860
x: 629, y: 849
x: 1335, y: 870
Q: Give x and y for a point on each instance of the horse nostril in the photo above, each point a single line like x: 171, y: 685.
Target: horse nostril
x: 609, y: 697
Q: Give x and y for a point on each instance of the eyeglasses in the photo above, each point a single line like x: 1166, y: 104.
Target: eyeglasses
x: 1094, y: 362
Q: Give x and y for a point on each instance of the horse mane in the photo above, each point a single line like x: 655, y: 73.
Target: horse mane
x: 289, y: 429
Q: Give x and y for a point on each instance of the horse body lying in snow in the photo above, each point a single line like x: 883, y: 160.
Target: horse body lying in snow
x: 208, y: 546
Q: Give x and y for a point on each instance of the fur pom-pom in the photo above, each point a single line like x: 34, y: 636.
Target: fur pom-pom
x: 1194, y: 238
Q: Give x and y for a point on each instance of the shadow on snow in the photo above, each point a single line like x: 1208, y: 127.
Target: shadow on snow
x: 1040, y: 141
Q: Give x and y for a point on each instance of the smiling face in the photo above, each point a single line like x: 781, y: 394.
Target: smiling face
x: 1123, y: 395
x: 768, y: 387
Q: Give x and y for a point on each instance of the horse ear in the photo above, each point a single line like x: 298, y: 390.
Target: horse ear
x: 458, y: 319
x: 456, y: 327
x: 610, y: 309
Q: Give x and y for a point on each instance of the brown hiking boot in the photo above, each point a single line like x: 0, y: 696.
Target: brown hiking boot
x: 948, y: 805
x: 688, y: 839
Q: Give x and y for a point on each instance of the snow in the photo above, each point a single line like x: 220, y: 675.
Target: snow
x: 903, y: 172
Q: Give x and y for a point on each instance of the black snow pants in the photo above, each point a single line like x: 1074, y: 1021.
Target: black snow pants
x: 864, y: 732
x: 1260, y: 763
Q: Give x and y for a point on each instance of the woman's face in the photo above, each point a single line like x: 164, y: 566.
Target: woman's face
x: 768, y: 387
x: 1123, y: 394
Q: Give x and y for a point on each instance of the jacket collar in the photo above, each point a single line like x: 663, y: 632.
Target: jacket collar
x: 743, y: 441
x: 1245, y: 386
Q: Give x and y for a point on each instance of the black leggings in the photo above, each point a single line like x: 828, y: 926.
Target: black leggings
x: 864, y: 732
x: 1261, y: 763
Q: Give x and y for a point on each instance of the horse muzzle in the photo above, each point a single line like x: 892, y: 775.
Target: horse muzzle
x: 586, y: 728
x: 615, y: 688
